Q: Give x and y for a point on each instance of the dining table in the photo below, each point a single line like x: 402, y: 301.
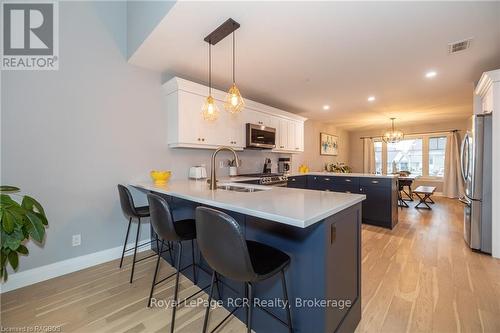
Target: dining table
x: 406, y: 181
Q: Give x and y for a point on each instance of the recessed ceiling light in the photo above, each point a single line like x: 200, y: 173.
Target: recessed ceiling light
x: 326, y: 107
x: 371, y: 98
x: 430, y: 74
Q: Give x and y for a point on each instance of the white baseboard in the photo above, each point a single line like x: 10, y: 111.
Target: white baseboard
x: 42, y: 273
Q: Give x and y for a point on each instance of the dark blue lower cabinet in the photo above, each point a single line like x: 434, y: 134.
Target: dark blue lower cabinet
x: 343, y: 269
x: 380, y: 207
x: 297, y: 182
x: 313, y: 183
x: 346, y: 184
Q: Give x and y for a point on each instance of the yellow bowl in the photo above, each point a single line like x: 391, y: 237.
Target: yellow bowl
x: 160, y: 177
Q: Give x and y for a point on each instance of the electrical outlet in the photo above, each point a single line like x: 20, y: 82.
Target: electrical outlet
x: 76, y: 240
x: 221, y: 164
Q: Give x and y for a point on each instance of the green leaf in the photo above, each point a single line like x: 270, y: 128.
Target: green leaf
x: 43, y: 218
x: 38, y: 230
x: 3, y: 257
x: 9, y: 189
x: 22, y: 249
x: 29, y: 203
x: 6, y: 200
x: 12, y: 241
x: 13, y: 259
x: 8, y: 221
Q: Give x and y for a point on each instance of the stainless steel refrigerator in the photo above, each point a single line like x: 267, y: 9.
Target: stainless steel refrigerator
x: 476, y: 165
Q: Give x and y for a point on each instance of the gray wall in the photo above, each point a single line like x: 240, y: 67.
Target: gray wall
x: 69, y: 136
x: 142, y: 18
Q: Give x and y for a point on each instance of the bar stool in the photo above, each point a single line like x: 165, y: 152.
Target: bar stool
x: 169, y: 231
x: 226, y: 251
x: 132, y: 212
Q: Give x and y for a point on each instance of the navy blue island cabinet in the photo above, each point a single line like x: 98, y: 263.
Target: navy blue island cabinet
x: 323, y: 278
x: 381, y: 205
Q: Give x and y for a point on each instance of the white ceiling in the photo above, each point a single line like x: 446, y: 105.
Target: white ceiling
x: 299, y: 56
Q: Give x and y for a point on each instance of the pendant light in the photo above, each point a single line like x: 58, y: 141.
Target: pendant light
x: 210, y: 110
x: 392, y: 135
x: 234, y: 102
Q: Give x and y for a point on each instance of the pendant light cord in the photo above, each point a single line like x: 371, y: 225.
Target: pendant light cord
x: 209, y: 69
x: 234, y: 81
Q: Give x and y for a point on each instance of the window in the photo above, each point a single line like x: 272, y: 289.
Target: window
x: 378, y: 157
x: 405, y: 155
x: 437, y: 149
x: 422, y: 155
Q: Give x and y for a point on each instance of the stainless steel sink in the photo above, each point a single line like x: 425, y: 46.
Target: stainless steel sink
x: 239, y: 188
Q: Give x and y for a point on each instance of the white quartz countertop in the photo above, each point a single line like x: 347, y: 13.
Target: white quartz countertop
x: 295, y: 207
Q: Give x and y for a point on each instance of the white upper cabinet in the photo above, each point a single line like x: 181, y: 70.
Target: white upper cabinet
x: 299, y: 136
x: 186, y: 127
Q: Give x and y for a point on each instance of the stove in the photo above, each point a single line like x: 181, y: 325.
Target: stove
x: 271, y: 179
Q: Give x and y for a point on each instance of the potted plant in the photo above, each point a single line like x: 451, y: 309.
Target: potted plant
x: 337, y: 167
x: 18, y: 223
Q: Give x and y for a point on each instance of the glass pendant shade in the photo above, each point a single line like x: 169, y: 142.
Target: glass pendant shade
x: 210, y: 110
x: 392, y: 135
x: 234, y: 102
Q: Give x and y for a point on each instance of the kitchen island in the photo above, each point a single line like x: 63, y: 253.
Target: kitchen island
x: 320, y: 231
x: 381, y: 205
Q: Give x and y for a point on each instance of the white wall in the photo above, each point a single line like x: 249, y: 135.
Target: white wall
x: 496, y: 166
x: 68, y: 137
x: 311, y: 156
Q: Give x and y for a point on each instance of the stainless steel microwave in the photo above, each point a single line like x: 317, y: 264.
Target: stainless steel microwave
x: 261, y: 137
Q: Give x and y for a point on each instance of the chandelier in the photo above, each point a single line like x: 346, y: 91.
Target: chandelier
x: 392, y: 135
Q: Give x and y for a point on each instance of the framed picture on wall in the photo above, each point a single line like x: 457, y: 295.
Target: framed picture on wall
x: 329, y: 144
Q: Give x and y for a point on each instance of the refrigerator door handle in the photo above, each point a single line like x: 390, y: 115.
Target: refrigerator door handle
x: 462, y: 157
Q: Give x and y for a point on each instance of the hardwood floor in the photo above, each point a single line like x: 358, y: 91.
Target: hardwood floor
x: 422, y: 277
x: 419, y: 277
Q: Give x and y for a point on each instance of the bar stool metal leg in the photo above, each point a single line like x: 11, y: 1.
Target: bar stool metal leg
x: 176, y: 292
x: 285, y: 295
x: 170, y: 249
x: 155, y: 275
x: 125, y: 243
x: 195, y: 280
x: 207, y: 311
x: 135, y: 248
x: 250, y: 305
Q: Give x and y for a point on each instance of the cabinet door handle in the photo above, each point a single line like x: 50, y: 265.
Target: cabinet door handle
x: 360, y: 190
x: 199, y: 139
x: 374, y: 181
x: 333, y: 233
x: 203, y: 139
x: 293, y: 179
x: 327, y: 179
x: 348, y: 180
